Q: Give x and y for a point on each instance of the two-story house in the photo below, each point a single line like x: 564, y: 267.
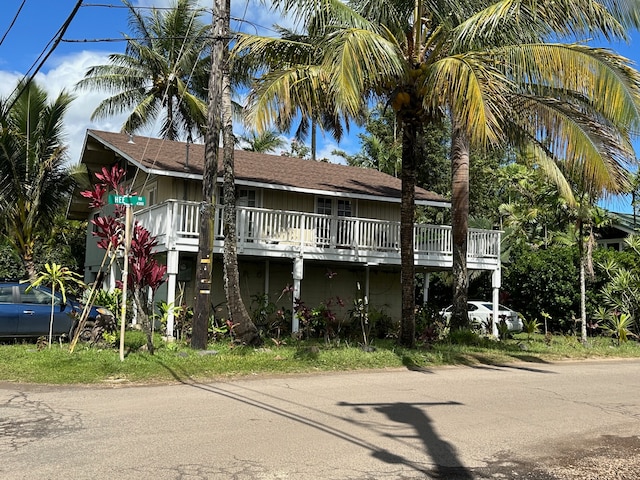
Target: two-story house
x: 322, y: 228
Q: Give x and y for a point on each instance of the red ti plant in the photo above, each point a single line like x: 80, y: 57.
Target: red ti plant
x: 145, y: 273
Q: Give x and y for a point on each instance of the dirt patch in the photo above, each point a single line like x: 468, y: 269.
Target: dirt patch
x: 608, y: 458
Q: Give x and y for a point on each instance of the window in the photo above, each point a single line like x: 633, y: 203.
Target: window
x: 324, y: 206
x: 344, y: 208
x: 246, y: 198
x: 151, y: 194
x: 35, y: 296
x: 6, y: 294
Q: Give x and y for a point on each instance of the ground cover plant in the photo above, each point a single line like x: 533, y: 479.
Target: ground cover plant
x: 24, y: 362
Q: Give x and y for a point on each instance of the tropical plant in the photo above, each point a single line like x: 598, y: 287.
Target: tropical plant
x: 144, y: 272
x: 162, y: 72
x: 484, y: 65
x: 621, y: 292
x: 262, y: 142
x: 530, y: 326
x: 618, y: 326
x: 57, y: 277
x: 35, y: 181
x: 164, y: 310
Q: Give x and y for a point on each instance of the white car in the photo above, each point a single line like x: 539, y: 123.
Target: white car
x: 480, y: 312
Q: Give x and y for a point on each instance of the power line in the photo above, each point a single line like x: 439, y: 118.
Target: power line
x: 28, y: 78
x: 15, y: 17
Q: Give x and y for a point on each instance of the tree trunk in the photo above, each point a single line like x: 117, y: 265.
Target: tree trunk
x: 583, y: 285
x: 459, y: 224
x: 27, y: 259
x: 407, y: 219
x: 142, y: 309
x: 53, y: 297
x: 243, y: 328
x: 204, y: 269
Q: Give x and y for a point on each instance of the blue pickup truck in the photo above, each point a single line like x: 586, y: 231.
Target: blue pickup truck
x: 26, y: 313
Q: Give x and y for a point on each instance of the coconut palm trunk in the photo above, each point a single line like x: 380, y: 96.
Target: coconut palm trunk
x: 202, y: 308
x: 407, y: 219
x: 459, y: 223
x: 244, y: 329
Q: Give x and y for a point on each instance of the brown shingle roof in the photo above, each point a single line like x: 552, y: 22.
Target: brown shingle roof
x: 271, y: 170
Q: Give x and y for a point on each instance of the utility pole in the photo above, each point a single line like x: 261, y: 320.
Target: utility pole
x: 202, y: 309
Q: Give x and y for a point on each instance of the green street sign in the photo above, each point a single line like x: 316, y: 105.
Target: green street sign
x: 133, y: 200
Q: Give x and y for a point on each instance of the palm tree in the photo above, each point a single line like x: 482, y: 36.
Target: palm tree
x: 34, y: 179
x: 285, y: 56
x: 482, y: 64
x: 264, y: 142
x: 220, y: 123
x: 161, y: 72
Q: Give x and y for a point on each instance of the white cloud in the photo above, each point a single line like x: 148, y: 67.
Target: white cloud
x: 65, y: 71
x: 63, y: 76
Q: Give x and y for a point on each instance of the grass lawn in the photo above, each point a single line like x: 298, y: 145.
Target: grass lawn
x: 25, y: 362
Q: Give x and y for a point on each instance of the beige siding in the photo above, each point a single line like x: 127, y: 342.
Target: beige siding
x: 279, y: 200
x: 379, y: 210
x: 316, y: 289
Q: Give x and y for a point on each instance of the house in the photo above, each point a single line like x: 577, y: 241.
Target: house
x: 326, y: 229
x: 614, y: 235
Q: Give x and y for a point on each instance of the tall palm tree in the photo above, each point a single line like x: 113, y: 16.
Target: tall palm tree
x: 481, y: 63
x: 35, y: 181
x: 264, y: 142
x: 161, y: 73
x: 316, y: 111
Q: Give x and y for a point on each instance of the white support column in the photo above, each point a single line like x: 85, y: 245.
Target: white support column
x: 112, y: 276
x: 172, y: 273
x: 425, y: 292
x: 496, y: 279
x: 298, y: 274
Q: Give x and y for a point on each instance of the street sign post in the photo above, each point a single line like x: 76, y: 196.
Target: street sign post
x: 133, y: 200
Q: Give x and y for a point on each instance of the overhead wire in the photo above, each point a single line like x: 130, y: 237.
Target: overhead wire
x: 164, y: 98
x: 54, y: 42
x: 13, y: 22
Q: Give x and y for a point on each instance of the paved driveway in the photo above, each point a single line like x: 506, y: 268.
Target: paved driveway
x: 576, y: 420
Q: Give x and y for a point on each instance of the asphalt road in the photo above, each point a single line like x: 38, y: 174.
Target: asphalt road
x: 577, y: 420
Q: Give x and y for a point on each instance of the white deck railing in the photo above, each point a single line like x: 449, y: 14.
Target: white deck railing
x: 176, y: 223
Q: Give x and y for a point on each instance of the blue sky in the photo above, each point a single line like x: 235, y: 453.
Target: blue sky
x: 39, y: 21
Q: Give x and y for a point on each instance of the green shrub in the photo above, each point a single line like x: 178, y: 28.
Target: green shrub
x: 544, y: 280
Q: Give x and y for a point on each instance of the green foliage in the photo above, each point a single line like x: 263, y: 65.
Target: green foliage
x: 544, y: 280
x: 530, y: 326
x: 620, y: 289
x: 164, y: 309
x: 111, y: 300
x: 466, y: 337
x: 11, y: 266
x: 139, y: 81
x: 430, y: 325
x: 57, y: 277
x: 24, y: 363
x: 503, y: 330
x: 619, y: 327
